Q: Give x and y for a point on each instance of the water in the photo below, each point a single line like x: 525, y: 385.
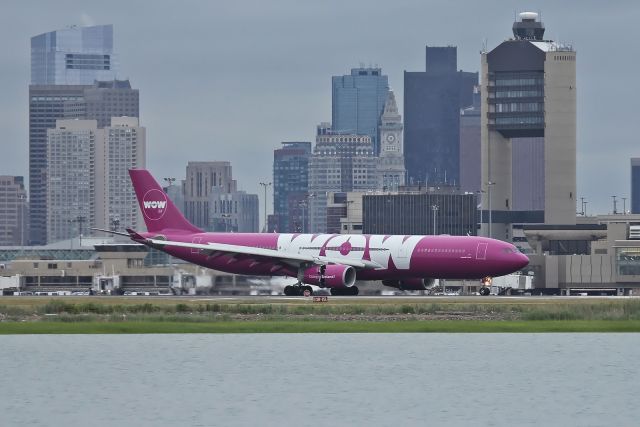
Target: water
x: 320, y: 379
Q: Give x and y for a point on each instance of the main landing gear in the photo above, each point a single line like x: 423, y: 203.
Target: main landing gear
x: 352, y: 290
x: 300, y: 290
x: 297, y: 290
x: 485, y: 289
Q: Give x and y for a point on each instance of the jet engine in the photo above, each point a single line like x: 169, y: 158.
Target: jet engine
x: 330, y: 276
x: 410, y: 284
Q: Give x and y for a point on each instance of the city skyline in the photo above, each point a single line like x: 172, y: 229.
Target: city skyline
x: 248, y: 99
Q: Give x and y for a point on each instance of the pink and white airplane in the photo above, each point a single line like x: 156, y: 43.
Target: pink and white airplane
x: 332, y: 261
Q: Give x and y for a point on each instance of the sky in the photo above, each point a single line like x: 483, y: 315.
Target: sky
x: 231, y: 80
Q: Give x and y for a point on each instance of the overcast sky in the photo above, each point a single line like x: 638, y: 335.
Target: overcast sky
x: 231, y: 80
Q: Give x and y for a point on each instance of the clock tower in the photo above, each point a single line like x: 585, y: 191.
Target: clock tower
x: 391, y: 171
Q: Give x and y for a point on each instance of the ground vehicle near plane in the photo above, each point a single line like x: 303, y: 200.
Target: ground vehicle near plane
x: 332, y: 261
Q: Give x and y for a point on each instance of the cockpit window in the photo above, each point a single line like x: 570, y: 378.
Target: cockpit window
x: 512, y: 250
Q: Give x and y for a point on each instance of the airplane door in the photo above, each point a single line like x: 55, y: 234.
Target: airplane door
x: 481, y: 251
x: 402, y: 252
x: 196, y: 240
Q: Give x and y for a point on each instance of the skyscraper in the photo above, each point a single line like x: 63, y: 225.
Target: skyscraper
x: 528, y: 124
x: 46, y: 105
x: 73, y: 56
x: 71, y: 178
x: 73, y: 75
x: 432, y: 103
x: 124, y: 148
x: 291, y: 186
x: 391, y: 172
x: 358, y: 101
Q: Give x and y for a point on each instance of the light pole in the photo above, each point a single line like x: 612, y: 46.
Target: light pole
x: 489, y: 184
x: 115, y: 224
x: 624, y: 205
x: 582, y: 207
x: 302, y: 204
x: 22, y: 198
x: 480, y: 193
x: 265, y: 185
x: 434, y: 208
x: 615, y: 209
x: 80, y: 220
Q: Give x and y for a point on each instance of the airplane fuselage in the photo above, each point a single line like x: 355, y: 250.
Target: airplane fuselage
x: 394, y: 256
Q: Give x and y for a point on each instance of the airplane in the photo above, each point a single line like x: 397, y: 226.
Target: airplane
x: 333, y: 261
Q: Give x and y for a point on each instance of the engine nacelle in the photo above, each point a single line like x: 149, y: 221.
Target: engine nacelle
x: 330, y: 276
x: 410, y: 284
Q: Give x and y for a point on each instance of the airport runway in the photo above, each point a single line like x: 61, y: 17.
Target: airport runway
x: 448, y: 299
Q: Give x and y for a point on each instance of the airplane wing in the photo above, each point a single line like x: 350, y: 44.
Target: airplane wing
x: 217, y: 249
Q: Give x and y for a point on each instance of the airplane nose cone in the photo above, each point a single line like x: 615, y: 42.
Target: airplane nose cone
x: 522, y: 261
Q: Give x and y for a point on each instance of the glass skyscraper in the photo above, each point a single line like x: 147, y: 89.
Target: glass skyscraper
x: 291, y: 186
x: 73, y: 56
x: 358, y: 101
x: 432, y: 103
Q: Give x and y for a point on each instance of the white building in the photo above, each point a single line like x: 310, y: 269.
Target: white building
x: 124, y: 149
x: 71, y: 175
x: 339, y: 163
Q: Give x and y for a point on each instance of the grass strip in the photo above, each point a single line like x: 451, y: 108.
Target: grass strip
x: 143, y: 327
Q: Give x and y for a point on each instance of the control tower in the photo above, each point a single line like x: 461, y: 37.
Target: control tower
x: 528, y: 131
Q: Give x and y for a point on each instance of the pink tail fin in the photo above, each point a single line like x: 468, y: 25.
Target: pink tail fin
x: 158, y: 210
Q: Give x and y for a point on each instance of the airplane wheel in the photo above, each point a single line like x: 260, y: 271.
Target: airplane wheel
x: 484, y: 291
x: 335, y: 292
x: 354, y: 290
x: 307, y: 288
x: 288, y: 290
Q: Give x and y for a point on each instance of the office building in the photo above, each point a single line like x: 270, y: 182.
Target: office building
x: 73, y: 56
x: 47, y: 103
x: 202, y: 179
x: 391, y: 171
x: 71, y: 188
x: 340, y: 163
x: 432, y: 103
x: 291, y: 186
x: 635, y: 185
x: 357, y: 102
x: 13, y: 211
x: 213, y: 202
x: 114, y: 98
x: 528, y: 126
x: 234, y: 211
x: 420, y: 212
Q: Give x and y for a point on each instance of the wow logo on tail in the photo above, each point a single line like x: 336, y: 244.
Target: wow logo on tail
x: 154, y: 204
